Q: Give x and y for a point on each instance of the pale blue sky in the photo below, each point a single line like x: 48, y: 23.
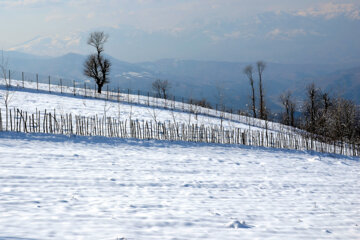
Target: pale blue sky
x: 201, y: 29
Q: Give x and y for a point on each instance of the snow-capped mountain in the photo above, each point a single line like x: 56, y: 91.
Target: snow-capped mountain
x: 54, y: 45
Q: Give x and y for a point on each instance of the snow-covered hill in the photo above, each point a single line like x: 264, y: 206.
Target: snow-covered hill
x: 131, y: 106
x: 62, y: 187
x: 56, y: 187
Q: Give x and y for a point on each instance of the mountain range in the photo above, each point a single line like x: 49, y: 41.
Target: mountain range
x: 279, y: 37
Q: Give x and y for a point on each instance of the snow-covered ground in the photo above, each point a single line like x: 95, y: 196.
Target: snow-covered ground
x: 60, y: 187
x: 56, y: 187
x: 29, y: 99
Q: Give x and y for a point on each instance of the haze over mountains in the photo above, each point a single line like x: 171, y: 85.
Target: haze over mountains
x: 327, y: 35
x: 214, y: 80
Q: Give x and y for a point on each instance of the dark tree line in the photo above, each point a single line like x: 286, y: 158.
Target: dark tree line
x: 332, y: 118
x: 323, y: 116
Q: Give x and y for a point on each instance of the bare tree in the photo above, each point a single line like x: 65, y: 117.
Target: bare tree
x: 248, y: 70
x: 96, y: 65
x: 154, y: 113
x: 4, y: 68
x: 314, y: 110
x: 342, y: 120
x: 260, y: 69
x: 161, y: 88
x: 7, y: 95
x: 326, y: 101
x: 292, y: 104
x: 289, y: 105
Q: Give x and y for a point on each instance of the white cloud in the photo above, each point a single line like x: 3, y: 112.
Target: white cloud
x: 27, y: 3
x: 285, y: 35
x: 232, y: 35
x: 54, y: 17
x: 331, y: 10
x: 90, y: 15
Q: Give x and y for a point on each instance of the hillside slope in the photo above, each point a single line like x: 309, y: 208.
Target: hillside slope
x: 69, y: 186
x: 95, y: 188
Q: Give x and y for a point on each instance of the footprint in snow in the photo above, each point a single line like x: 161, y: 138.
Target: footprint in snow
x: 239, y: 224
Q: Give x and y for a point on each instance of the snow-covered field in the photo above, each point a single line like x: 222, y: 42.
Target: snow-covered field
x: 60, y: 187
x: 56, y: 187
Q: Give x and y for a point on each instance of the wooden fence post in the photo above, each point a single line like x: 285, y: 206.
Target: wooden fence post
x: 49, y: 84
x: 61, y: 85
x: 118, y: 94
x: 107, y: 92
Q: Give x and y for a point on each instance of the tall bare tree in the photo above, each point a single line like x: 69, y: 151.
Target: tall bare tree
x: 4, y: 65
x: 289, y: 105
x: 96, y: 65
x: 316, y: 110
x: 248, y: 71
x: 161, y: 88
x: 260, y: 69
x: 5, y: 74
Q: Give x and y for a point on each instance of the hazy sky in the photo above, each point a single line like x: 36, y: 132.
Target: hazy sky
x: 23, y: 20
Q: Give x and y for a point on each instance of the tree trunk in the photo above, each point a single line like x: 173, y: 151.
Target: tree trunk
x: 99, y: 88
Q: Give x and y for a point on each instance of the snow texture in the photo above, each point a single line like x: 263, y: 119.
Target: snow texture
x: 59, y: 187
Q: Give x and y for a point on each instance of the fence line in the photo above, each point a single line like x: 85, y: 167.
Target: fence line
x: 85, y: 89
x: 67, y: 124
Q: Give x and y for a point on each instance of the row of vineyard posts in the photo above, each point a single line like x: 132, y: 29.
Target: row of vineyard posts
x: 71, y: 87
x: 50, y: 122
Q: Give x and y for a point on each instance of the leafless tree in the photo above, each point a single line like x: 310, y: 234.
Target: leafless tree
x: 154, y: 113
x: 292, y: 112
x: 289, y: 105
x: 4, y: 68
x: 7, y: 95
x: 313, y: 109
x: 326, y: 101
x: 161, y: 88
x: 248, y: 70
x: 260, y: 69
x: 96, y: 65
x: 342, y: 120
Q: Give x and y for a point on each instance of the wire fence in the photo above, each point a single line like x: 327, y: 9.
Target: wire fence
x: 54, y: 84
x: 51, y: 122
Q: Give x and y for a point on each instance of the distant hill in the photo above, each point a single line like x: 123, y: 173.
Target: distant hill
x: 345, y: 83
x: 215, y: 81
